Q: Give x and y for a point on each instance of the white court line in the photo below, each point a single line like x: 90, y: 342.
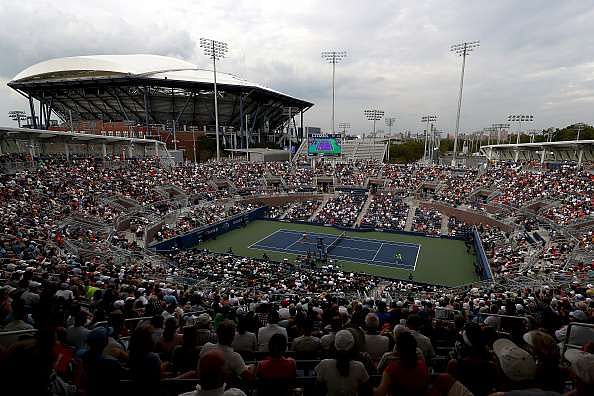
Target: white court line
x: 359, y: 238
x: 260, y: 240
x: 417, y: 258
x: 351, y: 259
x: 378, y: 250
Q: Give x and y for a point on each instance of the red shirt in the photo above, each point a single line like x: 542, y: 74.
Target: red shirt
x: 408, y: 381
x: 276, y: 368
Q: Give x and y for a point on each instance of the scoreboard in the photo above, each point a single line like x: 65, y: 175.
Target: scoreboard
x: 324, y: 144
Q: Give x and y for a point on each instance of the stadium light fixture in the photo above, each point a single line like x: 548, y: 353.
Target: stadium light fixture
x: 499, y: 127
x: 462, y: 49
x: 580, y: 126
x: 215, y: 50
x: 333, y: 57
x: 18, y: 116
x: 373, y: 115
x: 390, y: 122
x: 427, y: 119
x: 520, y: 118
x: 343, y: 126
x: 290, y: 112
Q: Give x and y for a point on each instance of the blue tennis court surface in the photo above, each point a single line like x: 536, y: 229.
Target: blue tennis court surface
x: 360, y: 250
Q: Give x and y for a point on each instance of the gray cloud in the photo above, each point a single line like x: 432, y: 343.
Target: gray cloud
x: 535, y: 55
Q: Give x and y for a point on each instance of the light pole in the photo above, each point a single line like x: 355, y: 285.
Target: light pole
x: 578, y: 128
x: 343, y: 126
x: 215, y: 50
x: 390, y: 122
x: 333, y: 57
x: 462, y: 50
x: 373, y: 115
x: 18, y: 116
x: 499, y: 128
x: 520, y: 118
x: 290, y: 111
x: 427, y: 119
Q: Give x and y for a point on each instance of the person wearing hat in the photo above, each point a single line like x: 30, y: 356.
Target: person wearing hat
x: 204, y: 333
x: 547, y: 356
x: 100, y: 374
x: 519, y: 370
x: 582, y: 367
x: 342, y: 375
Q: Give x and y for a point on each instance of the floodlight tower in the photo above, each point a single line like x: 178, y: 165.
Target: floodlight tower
x: 390, y: 122
x: 499, y: 128
x: 18, y: 116
x: 333, y: 57
x: 520, y: 118
x: 462, y: 50
x: 373, y: 115
x: 215, y: 50
x: 290, y: 112
x: 427, y: 119
x: 578, y: 128
x: 343, y: 126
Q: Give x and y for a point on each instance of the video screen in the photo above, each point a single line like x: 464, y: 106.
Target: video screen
x: 324, y: 144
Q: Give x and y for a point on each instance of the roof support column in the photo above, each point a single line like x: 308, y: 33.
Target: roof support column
x: 32, y: 149
x: 103, y: 150
x: 241, y: 126
x: 579, y: 159
x: 157, y: 149
x: 32, y: 109
x: 146, y: 112
x: 302, y: 127
x: 543, y: 154
x: 67, y: 151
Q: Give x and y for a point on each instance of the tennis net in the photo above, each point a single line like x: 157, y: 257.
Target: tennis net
x: 335, y: 242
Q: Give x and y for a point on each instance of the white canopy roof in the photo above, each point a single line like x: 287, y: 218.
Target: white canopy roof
x: 152, y: 66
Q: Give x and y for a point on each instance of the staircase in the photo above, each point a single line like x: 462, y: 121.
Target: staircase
x: 363, y: 210
x: 444, y: 224
x: 319, y: 209
x: 411, y: 215
x: 281, y: 217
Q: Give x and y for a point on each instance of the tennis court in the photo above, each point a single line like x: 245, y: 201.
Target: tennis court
x: 431, y: 260
x: 340, y: 247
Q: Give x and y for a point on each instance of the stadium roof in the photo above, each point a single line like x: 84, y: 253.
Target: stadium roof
x: 141, y: 65
x: 148, y: 89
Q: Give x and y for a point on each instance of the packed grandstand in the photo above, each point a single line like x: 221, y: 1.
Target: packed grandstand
x: 90, y: 306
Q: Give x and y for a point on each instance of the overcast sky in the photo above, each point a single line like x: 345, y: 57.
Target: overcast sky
x: 536, y: 56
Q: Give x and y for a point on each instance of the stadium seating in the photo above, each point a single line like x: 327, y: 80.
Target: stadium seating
x: 78, y: 285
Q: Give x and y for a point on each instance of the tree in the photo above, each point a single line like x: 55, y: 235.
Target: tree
x: 410, y: 151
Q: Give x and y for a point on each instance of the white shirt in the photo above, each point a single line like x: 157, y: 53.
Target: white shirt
x: 266, y: 333
x: 376, y: 345
x: 336, y: 384
x: 245, y: 342
x: 234, y: 364
x: 215, y: 392
x: 306, y: 344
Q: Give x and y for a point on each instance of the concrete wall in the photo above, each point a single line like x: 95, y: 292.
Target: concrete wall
x: 467, y: 216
